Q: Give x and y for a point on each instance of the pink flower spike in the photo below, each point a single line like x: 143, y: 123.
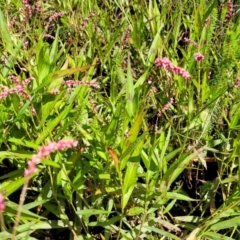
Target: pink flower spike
x: 198, y: 57
x: 190, y: 41
x: 52, y: 146
x: 27, y: 173
x: 230, y: 11
x: 48, y: 36
x: 53, y: 17
x: 36, y: 158
x: 166, y: 107
x: 166, y: 63
x: 2, y: 203
x: 45, y: 151
x: 237, y: 84
x: 66, y: 144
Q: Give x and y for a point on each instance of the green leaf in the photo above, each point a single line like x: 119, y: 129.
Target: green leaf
x: 43, y: 64
x: 162, y: 160
x: 15, y: 154
x: 191, y: 219
x: 135, y: 211
x: 141, y: 80
x: 209, y: 10
x: 176, y: 169
x: 113, y: 125
x: 65, y: 72
x: 156, y: 44
x: 177, y: 196
x: 105, y: 223
x: 5, y: 34
x: 5, y: 235
x: 13, y: 174
x: 131, y: 142
x: 127, y: 196
x: 54, y: 49
x: 216, y: 236
x: 124, y: 157
x: 129, y: 91
x: 25, y: 213
x: 233, y: 222
x: 129, y: 181
x: 48, y: 105
x: 50, y: 163
x: 52, y: 124
x: 24, y: 143
x: 11, y: 186
x: 51, y: 224
x: 60, y: 74
x: 134, y: 131
x: 162, y: 232
x: 90, y: 212
x: 36, y: 203
x: 65, y: 181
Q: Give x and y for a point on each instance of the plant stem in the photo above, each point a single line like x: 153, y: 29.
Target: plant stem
x: 21, y: 202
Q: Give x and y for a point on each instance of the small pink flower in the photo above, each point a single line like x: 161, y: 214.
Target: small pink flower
x: 190, y: 41
x: 207, y: 20
x: 52, y: 18
x: 2, y: 203
x: 209, y: 75
x: 33, y: 110
x: 126, y: 36
x: 56, y: 15
x: 12, y: 22
x: 75, y: 83
x: 198, y: 57
x: 166, y: 107
x: 55, y: 92
x: 38, y: 6
x: 48, y: 36
x: 237, y: 84
x: 86, y: 19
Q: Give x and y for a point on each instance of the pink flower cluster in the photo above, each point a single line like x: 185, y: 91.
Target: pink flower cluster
x: 166, y: 107
x: 38, y: 6
x: 12, y: 22
x: 230, y: 11
x: 26, y: 11
x: 53, y: 17
x: 198, y: 57
x: 190, y: 41
x: 166, y: 63
x: 237, y: 84
x: 19, y: 88
x: 207, y: 21
x: 4, y: 60
x: 209, y: 75
x: 75, y: 83
x: 150, y: 79
x: 45, y: 35
x: 55, y: 92
x: 126, y: 36
x: 86, y: 19
x: 45, y: 151
x: 2, y: 203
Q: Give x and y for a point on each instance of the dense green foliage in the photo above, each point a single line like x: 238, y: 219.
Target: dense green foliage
x: 157, y: 154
